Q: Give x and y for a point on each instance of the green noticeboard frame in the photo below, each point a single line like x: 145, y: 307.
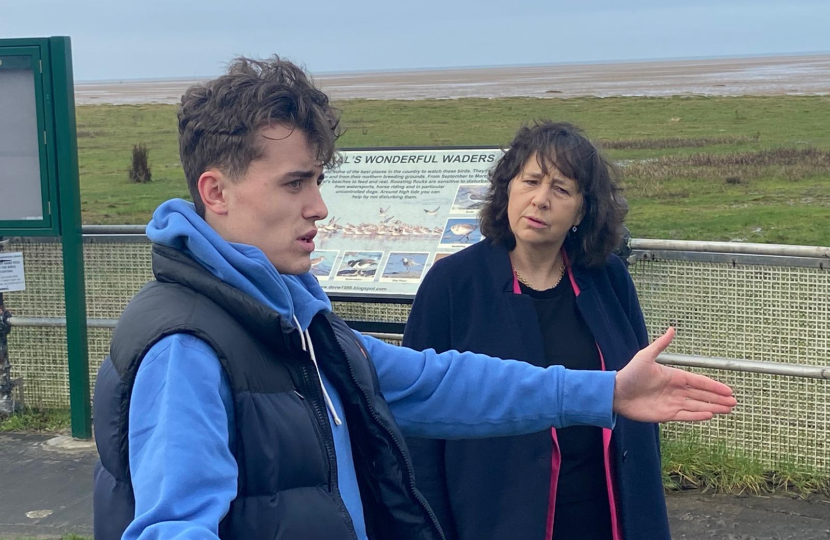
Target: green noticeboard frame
x: 50, y: 61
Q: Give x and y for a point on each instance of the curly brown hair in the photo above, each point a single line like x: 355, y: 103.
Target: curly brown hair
x: 564, y: 146
x: 219, y: 120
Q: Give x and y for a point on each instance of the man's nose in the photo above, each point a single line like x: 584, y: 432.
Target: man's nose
x: 317, y: 208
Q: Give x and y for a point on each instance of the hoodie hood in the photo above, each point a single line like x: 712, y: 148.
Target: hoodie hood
x: 297, y: 298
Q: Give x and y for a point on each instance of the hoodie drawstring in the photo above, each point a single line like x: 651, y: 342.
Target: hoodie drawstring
x: 305, y: 340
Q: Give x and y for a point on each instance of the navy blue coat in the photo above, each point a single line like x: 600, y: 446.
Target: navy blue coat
x: 492, y: 488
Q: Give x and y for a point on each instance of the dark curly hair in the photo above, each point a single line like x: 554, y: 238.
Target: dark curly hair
x: 565, y: 147
x: 219, y: 120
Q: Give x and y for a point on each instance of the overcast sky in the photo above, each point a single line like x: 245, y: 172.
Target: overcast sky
x: 113, y: 39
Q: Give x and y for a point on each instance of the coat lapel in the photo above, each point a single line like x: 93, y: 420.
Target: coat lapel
x: 524, y: 329
x: 595, y: 313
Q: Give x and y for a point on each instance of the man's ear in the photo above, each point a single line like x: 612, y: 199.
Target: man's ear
x: 212, y: 186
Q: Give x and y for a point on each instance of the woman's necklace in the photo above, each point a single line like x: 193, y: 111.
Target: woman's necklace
x: 524, y: 282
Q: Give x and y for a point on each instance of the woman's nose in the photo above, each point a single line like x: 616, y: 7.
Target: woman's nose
x: 540, y: 198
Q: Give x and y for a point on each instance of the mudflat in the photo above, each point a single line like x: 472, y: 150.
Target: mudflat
x: 790, y: 75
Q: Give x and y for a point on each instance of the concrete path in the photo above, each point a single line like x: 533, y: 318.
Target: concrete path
x: 46, y: 492
x: 696, y: 516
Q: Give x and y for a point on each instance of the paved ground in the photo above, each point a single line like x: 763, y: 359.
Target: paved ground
x: 45, y: 491
x: 696, y: 516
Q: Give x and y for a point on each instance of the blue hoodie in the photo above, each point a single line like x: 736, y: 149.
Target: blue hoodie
x: 181, y: 427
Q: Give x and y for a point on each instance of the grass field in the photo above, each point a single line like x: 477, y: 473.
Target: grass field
x: 36, y: 421
x: 691, y: 463
x: 753, y: 169
x: 68, y: 537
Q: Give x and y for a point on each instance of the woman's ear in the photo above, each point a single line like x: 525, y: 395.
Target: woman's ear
x: 581, y: 215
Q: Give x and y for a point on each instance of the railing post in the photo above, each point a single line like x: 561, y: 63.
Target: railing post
x: 72, y: 241
x: 7, y: 405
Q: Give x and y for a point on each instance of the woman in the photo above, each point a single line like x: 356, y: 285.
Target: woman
x: 545, y: 288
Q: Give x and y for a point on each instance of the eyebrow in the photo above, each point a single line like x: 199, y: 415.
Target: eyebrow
x: 556, y: 179
x: 302, y: 174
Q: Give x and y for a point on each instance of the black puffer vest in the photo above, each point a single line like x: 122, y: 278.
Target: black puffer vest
x: 287, y: 487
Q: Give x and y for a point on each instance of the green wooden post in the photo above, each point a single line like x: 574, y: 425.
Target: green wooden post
x: 66, y: 141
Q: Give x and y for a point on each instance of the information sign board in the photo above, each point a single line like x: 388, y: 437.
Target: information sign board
x: 393, y: 213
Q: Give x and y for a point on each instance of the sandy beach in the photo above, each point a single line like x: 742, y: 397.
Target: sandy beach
x: 794, y: 75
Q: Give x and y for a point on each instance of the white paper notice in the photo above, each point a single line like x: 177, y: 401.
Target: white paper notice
x: 11, y: 272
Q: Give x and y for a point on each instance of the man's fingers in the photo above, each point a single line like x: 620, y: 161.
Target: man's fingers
x: 661, y: 343
x: 693, y: 405
x: 689, y: 416
x: 705, y: 383
x: 710, y: 397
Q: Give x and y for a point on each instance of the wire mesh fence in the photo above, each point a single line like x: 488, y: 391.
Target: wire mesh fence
x: 754, y: 312
x: 778, y: 313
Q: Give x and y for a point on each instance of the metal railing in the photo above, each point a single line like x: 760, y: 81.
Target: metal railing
x: 734, y: 248
x: 728, y: 364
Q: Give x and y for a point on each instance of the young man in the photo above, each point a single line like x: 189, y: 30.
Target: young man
x: 234, y: 404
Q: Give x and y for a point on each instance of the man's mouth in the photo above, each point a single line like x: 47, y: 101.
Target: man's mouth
x: 308, y: 238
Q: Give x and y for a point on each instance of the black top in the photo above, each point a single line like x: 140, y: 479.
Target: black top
x: 582, y: 509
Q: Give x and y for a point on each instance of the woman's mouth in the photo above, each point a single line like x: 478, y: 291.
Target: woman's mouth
x: 535, y: 222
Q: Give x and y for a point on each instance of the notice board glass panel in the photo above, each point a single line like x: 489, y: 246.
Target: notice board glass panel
x: 20, y: 175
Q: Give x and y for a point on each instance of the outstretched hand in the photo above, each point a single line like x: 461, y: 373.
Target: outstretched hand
x: 649, y: 392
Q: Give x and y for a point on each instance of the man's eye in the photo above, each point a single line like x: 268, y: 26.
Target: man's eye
x: 295, y: 184
x: 320, y: 181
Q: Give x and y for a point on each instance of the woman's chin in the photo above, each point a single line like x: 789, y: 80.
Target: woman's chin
x: 535, y: 243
